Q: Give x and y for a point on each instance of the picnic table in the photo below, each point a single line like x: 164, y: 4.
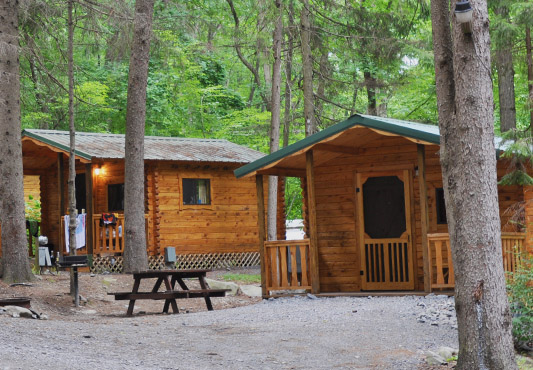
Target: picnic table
x: 172, y: 292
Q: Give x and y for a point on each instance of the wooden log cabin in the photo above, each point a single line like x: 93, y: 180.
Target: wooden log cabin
x: 192, y: 200
x: 373, y: 209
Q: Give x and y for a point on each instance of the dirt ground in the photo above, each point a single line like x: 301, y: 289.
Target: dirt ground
x: 49, y: 294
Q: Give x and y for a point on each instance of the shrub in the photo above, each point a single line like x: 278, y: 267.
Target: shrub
x: 520, y: 288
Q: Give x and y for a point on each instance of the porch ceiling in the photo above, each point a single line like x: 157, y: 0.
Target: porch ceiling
x: 36, y: 158
x: 347, y: 137
x: 352, y: 141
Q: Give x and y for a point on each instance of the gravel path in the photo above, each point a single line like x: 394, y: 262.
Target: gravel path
x: 287, y: 333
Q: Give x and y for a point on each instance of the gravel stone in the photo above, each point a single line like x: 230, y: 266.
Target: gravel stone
x: 284, y: 333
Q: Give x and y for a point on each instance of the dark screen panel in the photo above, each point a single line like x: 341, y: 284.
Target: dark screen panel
x: 384, y: 207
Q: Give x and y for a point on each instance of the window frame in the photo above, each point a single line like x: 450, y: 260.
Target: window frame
x: 123, y: 195
x: 197, y: 205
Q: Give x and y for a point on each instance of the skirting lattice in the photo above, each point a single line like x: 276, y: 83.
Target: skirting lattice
x: 184, y: 261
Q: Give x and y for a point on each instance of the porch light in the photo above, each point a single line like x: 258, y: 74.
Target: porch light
x: 463, y: 14
x: 97, y: 171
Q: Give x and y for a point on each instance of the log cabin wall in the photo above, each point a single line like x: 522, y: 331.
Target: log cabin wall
x: 228, y: 224
x: 528, y: 197
x: 32, y: 187
x: 339, y: 254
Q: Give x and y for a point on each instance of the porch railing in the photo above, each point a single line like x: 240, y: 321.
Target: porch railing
x: 109, y: 239
x: 440, y: 257
x: 287, y: 265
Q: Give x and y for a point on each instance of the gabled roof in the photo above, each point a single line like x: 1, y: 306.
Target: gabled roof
x: 426, y: 134
x: 111, y: 146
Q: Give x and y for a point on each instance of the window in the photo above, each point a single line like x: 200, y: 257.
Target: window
x: 196, y: 191
x: 115, y: 197
x: 441, y: 206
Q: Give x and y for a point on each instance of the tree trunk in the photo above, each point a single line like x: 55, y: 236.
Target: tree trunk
x: 16, y: 267
x: 370, y: 84
x: 307, y: 67
x: 529, y: 75
x: 504, y: 66
x: 287, y: 118
x: 469, y: 176
x: 72, y: 133
x: 275, y: 118
x: 135, y: 256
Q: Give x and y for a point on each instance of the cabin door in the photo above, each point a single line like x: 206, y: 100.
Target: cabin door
x: 384, y: 222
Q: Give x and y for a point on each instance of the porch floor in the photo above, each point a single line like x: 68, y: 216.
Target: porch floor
x: 380, y: 293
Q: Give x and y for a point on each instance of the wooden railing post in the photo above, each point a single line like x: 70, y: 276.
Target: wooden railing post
x: 89, y: 205
x: 262, y: 231
x: 424, y: 217
x: 313, y: 247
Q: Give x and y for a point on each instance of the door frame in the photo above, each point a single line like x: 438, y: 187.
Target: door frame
x: 405, y: 175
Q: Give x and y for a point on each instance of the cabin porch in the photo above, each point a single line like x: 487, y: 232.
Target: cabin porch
x: 374, y: 212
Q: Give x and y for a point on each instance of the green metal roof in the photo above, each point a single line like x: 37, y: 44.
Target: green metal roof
x: 412, y: 130
x: 111, y: 146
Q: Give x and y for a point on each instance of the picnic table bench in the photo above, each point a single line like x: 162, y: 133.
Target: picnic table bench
x: 170, y: 278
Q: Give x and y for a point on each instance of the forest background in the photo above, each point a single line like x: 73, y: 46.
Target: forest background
x: 210, y: 72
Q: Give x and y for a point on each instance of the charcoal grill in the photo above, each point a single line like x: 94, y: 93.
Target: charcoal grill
x: 73, y: 262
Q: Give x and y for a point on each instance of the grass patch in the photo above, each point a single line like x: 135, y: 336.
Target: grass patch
x: 244, y: 278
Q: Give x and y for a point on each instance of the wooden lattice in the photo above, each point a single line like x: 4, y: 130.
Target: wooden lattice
x: 107, y: 264
x: 185, y: 261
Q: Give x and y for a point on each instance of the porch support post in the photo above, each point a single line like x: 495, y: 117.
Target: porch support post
x: 424, y: 218
x: 61, y: 190
x: 89, y: 205
x: 262, y: 230
x: 313, y: 239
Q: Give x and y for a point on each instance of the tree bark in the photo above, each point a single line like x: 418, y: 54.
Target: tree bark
x: 307, y: 68
x: 287, y: 117
x: 370, y: 84
x: 16, y: 267
x: 72, y: 211
x: 275, y: 118
x: 135, y: 257
x: 504, y: 66
x: 468, y: 164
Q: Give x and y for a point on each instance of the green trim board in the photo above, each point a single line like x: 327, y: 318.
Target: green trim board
x: 412, y: 130
x: 56, y: 144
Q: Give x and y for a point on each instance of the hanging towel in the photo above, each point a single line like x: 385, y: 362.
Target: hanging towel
x: 80, y: 231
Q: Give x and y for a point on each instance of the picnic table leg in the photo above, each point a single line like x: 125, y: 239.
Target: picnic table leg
x: 171, y: 301
x: 204, y: 285
x: 132, y: 301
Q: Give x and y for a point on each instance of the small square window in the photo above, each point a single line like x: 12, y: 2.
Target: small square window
x: 196, y: 191
x: 441, y: 206
x: 115, y: 197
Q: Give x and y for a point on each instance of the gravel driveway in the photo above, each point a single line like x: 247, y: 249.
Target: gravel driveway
x: 287, y: 333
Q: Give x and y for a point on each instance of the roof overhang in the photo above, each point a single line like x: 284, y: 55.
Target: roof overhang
x: 54, y: 146
x: 340, y: 138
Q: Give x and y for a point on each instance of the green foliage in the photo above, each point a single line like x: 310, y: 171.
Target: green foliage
x: 520, y: 290
x: 293, y: 198
x: 520, y: 153
x: 245, y: 278
x: 33, y: 209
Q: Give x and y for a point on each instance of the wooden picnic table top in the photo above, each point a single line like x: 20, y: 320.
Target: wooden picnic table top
x: 177, y: 273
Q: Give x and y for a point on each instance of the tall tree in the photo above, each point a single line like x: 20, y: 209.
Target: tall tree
x: 504, y: 65
x: 14, y: 244
x: 72, y: 211
x: 468, y: 164
x: 135, y: 258
x: 307, y: 69
x: 275, y: 117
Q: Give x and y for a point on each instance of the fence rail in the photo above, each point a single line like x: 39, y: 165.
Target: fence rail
x: 440, y: 256
x: 109, y: 239
x: 287, y: 265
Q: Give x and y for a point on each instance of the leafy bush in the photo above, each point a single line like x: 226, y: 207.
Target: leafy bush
x: 520, y: 288
x: 33, y: 209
